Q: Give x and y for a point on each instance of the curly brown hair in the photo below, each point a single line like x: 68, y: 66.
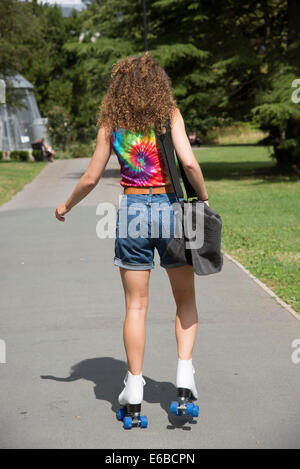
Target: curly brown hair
x: 139, y: 95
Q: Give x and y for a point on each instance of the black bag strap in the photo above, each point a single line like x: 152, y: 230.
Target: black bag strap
x: 167, y: 149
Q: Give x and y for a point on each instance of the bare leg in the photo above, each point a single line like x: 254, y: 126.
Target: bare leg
x: 186, y: 324
x: 135, y: 284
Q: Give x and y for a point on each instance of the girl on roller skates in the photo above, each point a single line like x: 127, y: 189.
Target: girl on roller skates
x: 135, y: 108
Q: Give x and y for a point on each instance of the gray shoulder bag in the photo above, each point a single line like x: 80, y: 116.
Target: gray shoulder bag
x: 199, y: 227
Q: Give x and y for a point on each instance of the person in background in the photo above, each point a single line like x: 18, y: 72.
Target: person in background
x: 48, y: 150
x: 194, y: 140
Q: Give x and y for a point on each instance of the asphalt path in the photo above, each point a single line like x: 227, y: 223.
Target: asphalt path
x: 62, y: 310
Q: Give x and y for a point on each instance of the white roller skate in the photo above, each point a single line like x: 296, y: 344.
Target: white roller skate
x: 131, y: 399
x: 186, y: 390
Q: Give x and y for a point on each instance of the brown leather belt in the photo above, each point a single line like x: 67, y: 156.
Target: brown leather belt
x: 146, y: 190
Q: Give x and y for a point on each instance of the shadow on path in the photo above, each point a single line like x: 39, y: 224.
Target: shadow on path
x: 108, y: 373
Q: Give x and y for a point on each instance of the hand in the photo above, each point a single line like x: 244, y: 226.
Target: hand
x: 204, y: 201
x: 61, y: 211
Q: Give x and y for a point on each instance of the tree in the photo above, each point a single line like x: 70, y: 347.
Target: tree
x: 276, y: 112
x: 227, y: 60
x: 59, y: 126
x: 19, y: 31
x: 113, y: 29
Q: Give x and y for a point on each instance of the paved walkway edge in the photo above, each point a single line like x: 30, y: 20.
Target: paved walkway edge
x: 265, y: 288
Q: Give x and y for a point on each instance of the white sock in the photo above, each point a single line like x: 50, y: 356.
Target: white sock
x: 185, y: 362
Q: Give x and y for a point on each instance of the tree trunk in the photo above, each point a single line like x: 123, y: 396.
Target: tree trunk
x: 294, y: 32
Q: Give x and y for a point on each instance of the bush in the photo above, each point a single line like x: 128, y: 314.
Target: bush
x: 80, y: 150
x: 24, y: 155
x: 37, y: 155
x: 277, y: 114
x: 62, y: 155
x: 287, y: 153
x: 14, y: 155
x: 76, y: 150
x: 1, y: 155
x: 19, y: 155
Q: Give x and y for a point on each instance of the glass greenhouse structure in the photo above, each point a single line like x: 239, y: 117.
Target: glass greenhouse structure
x: 19, y: 127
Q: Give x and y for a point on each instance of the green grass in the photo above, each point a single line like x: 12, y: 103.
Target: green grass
x: 260, y: 212
x: 238, y: 133
x: 14, y: 175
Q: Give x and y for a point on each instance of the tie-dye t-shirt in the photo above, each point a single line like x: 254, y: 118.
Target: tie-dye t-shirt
x: 140, y: 158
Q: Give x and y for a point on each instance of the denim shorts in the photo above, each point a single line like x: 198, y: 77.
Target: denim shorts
x: 145, y: 222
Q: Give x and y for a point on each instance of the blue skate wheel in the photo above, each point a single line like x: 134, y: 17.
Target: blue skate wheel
x: 196, y: 411
x: 174, y: 407
x: 127, y: 422
x: 143, y: 421
x: 190, y: 408
x: 121, y: 413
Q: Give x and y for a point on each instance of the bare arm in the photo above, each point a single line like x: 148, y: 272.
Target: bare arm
x: 91, y: 176
x: 185, y: 153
